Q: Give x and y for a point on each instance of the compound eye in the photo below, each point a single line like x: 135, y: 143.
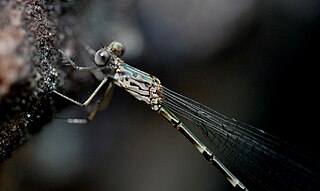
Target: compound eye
x: 101, y: 58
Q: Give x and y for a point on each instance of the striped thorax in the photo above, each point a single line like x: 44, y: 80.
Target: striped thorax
x: 141, y: 85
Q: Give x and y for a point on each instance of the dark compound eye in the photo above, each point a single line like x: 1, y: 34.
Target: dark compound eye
x: 102, y: 57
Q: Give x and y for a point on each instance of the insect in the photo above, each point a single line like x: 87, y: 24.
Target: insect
x: 261, y: 157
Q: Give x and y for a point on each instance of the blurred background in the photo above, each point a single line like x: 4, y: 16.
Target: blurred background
x: 251, y: 60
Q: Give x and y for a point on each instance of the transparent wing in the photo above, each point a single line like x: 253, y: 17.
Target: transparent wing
x: 259, y: 158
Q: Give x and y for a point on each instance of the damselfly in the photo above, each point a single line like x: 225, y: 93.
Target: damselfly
x: 252, y: 154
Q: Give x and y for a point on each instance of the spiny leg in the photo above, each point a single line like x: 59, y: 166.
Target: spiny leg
x: 88, y: 101
x: 98, y: 105
x: 107, y: 95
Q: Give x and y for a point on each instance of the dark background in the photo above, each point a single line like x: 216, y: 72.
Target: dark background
x: 255, y: 61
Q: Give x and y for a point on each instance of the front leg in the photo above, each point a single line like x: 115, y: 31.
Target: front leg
x: 87, y: 102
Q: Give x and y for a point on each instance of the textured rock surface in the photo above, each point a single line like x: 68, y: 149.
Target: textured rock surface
x: 28, y: 30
